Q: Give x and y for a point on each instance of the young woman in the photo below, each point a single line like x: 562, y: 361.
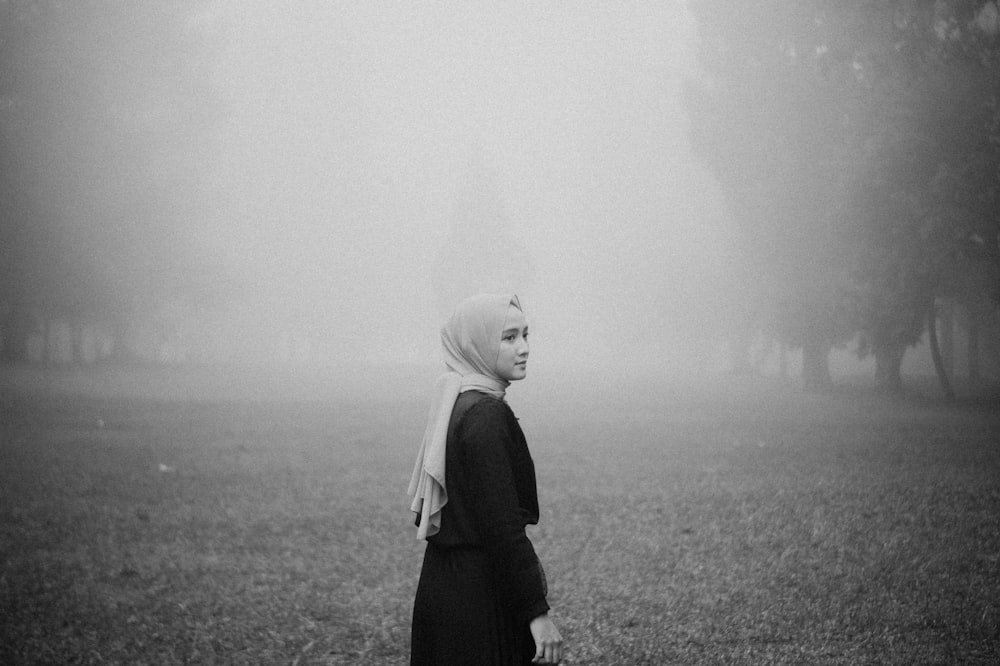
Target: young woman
x: 481, y: 596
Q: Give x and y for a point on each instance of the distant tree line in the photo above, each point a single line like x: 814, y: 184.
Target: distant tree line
x: 858, y: 145
x: 103, y: 108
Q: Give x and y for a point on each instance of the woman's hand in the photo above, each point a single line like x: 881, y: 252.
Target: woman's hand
x: 548, y: 642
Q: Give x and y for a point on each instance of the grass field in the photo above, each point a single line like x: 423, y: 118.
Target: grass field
x: 157, y: 524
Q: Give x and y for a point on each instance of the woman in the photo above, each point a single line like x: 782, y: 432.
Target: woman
x: 481, y: 596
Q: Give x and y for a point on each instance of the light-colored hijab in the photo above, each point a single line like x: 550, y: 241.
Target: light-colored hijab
x: 471, y: 342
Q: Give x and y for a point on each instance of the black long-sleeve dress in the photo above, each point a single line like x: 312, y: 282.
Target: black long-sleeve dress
x: 481, y: 583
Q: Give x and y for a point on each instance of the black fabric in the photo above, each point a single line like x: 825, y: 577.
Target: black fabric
x: 458, y: 617
x: 481, y: 582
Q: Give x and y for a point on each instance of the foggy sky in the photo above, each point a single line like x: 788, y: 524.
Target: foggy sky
x: 337, y: 151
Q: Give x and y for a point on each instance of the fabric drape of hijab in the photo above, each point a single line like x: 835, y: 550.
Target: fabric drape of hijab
x: 471, y: 344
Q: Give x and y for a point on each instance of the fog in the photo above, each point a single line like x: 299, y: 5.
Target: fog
x: 342, y: 173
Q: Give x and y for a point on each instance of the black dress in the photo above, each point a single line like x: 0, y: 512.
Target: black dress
x: 481, y: 583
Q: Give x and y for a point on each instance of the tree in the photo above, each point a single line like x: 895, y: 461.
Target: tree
x: 927, y: 197
x: 829, y: 125
x: 103, y: 107
x: 776, y: 131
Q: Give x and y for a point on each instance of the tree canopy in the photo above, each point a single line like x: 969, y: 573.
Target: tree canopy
x: 857, y: 145
x: 102, y: 106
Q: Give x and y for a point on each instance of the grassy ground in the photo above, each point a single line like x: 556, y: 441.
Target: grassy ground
x: 734, y: 525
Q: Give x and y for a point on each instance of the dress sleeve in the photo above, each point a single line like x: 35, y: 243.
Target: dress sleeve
x: 487, y: 441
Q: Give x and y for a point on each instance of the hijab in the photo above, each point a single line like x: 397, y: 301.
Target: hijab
x: 471, y: 344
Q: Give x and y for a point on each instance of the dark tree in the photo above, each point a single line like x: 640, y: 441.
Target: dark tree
x: 857, y: 143
x: 776, y: 129
x: 925, y: 204
x: 104, y: 108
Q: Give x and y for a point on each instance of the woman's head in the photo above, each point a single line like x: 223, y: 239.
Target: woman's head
x: 487, y: 335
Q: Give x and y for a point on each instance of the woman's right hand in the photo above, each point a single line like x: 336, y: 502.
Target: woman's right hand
x: 548, y: 642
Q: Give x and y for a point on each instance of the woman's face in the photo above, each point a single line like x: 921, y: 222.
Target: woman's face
x: 512, y: 362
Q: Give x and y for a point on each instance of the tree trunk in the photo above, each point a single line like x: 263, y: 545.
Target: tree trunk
x: 119, y: 334
x: 948, y: 336
x: 939, y: 368
x: 15, y: 336
x: 973, y: 351
x: 816, y: 366
x: 888, y: 362
x: 48, y: 349
x: 739, y: 359
x: 76, y: 339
